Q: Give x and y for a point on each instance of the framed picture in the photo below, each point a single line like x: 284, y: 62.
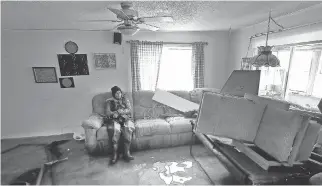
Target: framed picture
x: 45, y: 74
x: 67, y: 82
x: 105, y: 60
x: 73, y: 64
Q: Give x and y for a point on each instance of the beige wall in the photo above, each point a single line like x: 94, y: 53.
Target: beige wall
x: 31, y: 109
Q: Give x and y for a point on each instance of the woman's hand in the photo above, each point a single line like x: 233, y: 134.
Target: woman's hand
x: 114, y: 115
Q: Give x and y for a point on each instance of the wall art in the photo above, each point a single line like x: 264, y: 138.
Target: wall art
x: 105, y: 60
x: 73, y: 64
x: 45, y: 74
x: 67, y: 82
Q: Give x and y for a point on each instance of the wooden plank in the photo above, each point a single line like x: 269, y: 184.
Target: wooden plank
x: 258, y: 159
x: 174, y: 101
x: 315, y: 162
x: 238, y: 173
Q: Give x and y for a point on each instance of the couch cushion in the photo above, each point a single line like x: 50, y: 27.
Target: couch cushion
x: 179, y: 124
x: 150, y: 127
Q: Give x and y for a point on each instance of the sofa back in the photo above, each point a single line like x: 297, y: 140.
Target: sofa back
x: 145, y: 107
x: 142, y: 104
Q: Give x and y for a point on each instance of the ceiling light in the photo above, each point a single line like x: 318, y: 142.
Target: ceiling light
x: 265, y: 56
x: 128, y: 30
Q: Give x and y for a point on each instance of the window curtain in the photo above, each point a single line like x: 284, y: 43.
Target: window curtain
x: 198, y: 64
x: 145, y: 63
x: 135, y: 67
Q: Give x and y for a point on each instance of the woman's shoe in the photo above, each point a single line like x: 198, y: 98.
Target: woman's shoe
x: 127, y: 156
x: 114, y: 155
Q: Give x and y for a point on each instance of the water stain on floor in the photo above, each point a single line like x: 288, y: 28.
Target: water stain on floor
x: 169, y: 172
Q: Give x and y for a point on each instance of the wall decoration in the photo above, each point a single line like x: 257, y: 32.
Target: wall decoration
x: 45, y: 74
x: 67, y: 82
x: 105, y: 60
x: 71, y: 47
x: 73, y: 64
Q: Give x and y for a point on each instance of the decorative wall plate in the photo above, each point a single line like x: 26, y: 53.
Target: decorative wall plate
x: 71, y: 47
x: 67, y: 82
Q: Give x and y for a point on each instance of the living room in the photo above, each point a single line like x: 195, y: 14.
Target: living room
x: 33, y: 34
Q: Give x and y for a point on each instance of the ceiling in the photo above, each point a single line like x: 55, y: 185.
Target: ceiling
x: 187, y: 15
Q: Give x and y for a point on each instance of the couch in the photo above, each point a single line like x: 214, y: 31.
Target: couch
x: 156, y: 125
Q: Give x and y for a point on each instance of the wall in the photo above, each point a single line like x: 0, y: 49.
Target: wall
x: 239, y: 40
x: 31, y: 109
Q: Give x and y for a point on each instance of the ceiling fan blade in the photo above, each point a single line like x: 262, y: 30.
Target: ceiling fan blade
x: 119, y: 13
x: 148, y: 27
x: 166, y: 19
x: 103, y: 20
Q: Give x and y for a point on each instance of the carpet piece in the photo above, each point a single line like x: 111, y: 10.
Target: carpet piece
x: 19, y: 160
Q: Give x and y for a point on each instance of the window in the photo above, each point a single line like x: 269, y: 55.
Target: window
x: 176, y: 68
x: 299, y: 79
x: 274, y: 79
x: 300, y: 71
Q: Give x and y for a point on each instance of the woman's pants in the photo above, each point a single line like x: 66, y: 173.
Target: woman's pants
x: 114, y: 130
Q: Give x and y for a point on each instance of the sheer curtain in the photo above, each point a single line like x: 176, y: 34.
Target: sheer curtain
x: 145, y: 62
x: 198, y: 64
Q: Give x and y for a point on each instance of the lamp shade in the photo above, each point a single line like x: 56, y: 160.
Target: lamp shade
x: 265, y: 58
x: 128, y: 30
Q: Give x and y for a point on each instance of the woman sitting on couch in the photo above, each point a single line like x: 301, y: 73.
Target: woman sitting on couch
x: 119, y: 120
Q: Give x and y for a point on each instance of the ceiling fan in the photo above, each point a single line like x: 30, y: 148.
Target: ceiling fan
x: 130, y: 22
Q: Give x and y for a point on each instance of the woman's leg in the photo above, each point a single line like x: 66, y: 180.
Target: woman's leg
x: 127, y: 131
x: 114, y: 133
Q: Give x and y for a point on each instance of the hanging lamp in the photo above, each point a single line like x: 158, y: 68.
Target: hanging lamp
x: 265, y: 56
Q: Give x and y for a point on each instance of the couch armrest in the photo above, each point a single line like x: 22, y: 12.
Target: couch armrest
x: 91, y: 142
x: 94, y: 121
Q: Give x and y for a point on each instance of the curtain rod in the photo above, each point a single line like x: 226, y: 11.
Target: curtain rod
x: 284, y: 29
x: 176, y: 43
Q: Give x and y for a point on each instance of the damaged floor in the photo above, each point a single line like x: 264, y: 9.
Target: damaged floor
x: 167, y: 166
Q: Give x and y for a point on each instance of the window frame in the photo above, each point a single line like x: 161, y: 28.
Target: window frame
x: 316, y: 47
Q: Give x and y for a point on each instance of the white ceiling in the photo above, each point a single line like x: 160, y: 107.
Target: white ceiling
x: 188, y: 15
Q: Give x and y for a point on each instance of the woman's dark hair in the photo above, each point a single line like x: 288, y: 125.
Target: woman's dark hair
x: 114, y: 90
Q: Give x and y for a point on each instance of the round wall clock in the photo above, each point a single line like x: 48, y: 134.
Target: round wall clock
x: 71, y: 47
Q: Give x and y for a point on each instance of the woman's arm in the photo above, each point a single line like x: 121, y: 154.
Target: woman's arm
x: 108, y: 111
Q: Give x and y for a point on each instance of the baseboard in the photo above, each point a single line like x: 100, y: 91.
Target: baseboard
x: 37, y: 135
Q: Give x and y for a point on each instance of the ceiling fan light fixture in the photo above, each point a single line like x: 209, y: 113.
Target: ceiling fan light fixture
x: 128, y: 30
